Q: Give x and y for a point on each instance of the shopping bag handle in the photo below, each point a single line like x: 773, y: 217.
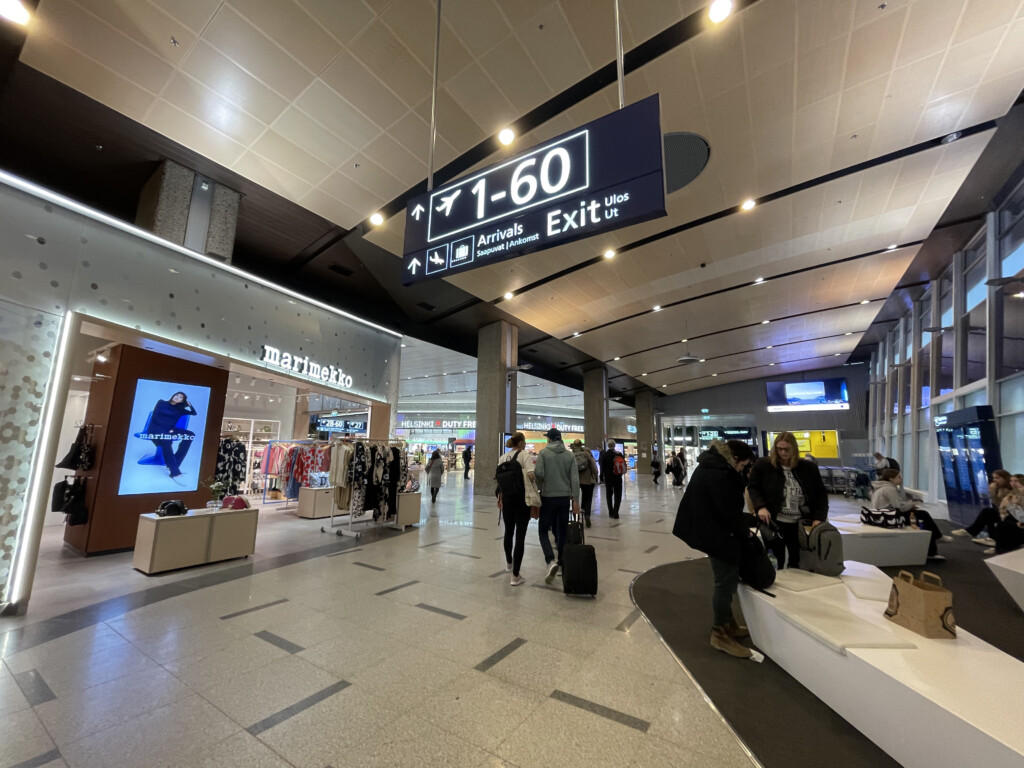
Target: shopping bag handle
x: 906, y: 576
x: 928, y: 576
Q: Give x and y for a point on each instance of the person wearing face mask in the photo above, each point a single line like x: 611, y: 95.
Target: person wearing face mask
x: 711, y: 520
x: 785, y: 488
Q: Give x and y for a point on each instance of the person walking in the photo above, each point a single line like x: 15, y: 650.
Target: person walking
x: 711, y: 520
x: 467, y: 459
x: 587, y: 468
x: 612, y: 479
x: 435, y: 473
x: 558, y: 481
x: 655, y: 469
x: 515, y: 511
x: 785, y: 488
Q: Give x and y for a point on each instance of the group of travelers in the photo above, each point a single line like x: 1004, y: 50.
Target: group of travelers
x: 1004, y: 517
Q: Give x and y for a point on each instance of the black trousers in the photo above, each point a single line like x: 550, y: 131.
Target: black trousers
x: 587, y: 492
x: 517, y: 520
x: 925, y: 521
x: 173, y: 458
x: 987, y: 518
x: 1008, y: 535
x: 790, y: 545
x: 613, y: 493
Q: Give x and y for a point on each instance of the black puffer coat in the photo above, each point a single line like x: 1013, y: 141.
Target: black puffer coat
x: 711, y: 517
x: 767, y: 488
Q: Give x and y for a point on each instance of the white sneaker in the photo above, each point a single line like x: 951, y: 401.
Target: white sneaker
x: 937, y: 558
x: 989, y: 551
x: 517, y: 580
x: 552, y: 570
x: 947, y: 539
x: 986, y: 541
x: 508, y: 567
x: 961, y: 532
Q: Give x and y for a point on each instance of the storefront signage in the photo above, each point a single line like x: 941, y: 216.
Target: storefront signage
x: 707, y: 434
x: 602, y: 176
x: 303, y: 366
x: 631, y: 429
x: 437, y: 423
x: 340, y: 425
x: 544, y: 426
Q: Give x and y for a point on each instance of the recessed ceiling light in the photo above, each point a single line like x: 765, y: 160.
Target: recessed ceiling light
x: 1016, y: 296
x: 702, y: 360
x: 747, y: 204
x: 771, y: 363
x: 291, y: 301
x: 506, y: 136
x: 765, y: 322
x: 769, y: 346
x: 848, y: 333
x: 609, y: 254
x: 950, y: 138
x: 714, y: 374
x: 758, y: 280
x: 404, y: 346
x: 892, y: 247
x: 656, y: 308
x: 14, y: 10
x: 617, y: 358
x: 509, y: 295
x: 684, y: 341
x: 173, y: 271
x: 376, y: 219
x: 664, y: 385
x: 101, y: 358
x: 246, y: 397
x: 575, y: 333
x: 866, y: 301
x: 838, y: 354
x: 643, y: 374
x: 719, y: 11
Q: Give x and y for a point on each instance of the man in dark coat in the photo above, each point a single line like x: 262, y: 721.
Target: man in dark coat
x: 467, y: 459
x: 612, y: 482
x: 711, y: 520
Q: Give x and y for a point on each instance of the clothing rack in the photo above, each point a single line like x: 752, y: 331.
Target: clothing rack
x: 346, y: 528
x: 266, y: 475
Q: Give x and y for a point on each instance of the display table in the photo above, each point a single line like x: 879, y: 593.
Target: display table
x: 316, y: 502
x: 1009, y: 569
x: 202, y: 536
x: 925, y: 702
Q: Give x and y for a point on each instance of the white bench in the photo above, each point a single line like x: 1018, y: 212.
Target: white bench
x: 1009, y: 569
x: 881, y: 546
x: 927, y: 703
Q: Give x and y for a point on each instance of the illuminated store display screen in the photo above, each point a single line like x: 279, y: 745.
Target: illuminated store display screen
x: 821, y: 395
x: 165, y: 438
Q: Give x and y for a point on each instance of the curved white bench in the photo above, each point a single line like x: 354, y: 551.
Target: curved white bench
x: 1009, y: 569
x: 927, y: 703
x: 881, y: 546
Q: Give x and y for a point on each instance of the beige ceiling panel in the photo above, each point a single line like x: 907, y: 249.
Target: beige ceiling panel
x: 866, y: 12
x: 200, y: 102
x: 515, y: 73
x: 279, y: 150
x: 372, y: 176
x: 193, y: 133
x: 414, y: 22
x: 770, y: 96
x: 550, y: 42
x: 293, y: 29
x: 147, y: 25
x: 358, y: 85
x: 390, y: 235
x: 718, y: 58
x: 343, y: 19
x: 873, y: 47
x: 909, y: 87
x: 337, y: 115
x: 595, y: 31
x: 386, y: 56
x: 942, y: 116
x: 769, y: 36
x: 78, y: 29
x: 1010, y: 56
x: 815, y: 124
x: 377, y: 5
x: 392, y: 157
x: 478, y: 23
x: 818, y: 74
x: 352, y: 194
x: 980, y: 16
x: 194, y: 14
x: 907, y: 194
x: 330, y: 208
x: 847, y: 150
x: 271, y: 175
x: 225, y: 78
x: 453, y: 122
x: 641, y: 20
x: 991, y: 99
x: 235, y: 37
x: 811, y: 160
x: 52, y: 57
x: 303, y: 130
x: 521, y: 11
x: 928, y: 30
x: 860, y: 105
x: 821, y: 23
x: 965, y: 64
x: 475, y: 90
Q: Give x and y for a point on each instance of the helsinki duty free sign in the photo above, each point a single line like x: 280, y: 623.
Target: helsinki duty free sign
x: 601, y: 176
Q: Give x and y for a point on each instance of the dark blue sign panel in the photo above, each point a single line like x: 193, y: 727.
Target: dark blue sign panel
x: 602, y: 176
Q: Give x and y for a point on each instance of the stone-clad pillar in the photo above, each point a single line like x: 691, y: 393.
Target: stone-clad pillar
x: 595, y: 408
x: 497, y: 358
x: 644, y: 431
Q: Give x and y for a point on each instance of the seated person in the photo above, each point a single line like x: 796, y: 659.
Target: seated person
x: 989, y: 517
x: 889, y: 492
x: 1009, y: 531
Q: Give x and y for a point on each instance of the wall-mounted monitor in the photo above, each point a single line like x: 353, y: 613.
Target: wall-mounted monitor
x: 820, y: 395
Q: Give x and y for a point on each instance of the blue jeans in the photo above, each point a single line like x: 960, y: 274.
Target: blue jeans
x: 727, y: 579
x: 554, y: 516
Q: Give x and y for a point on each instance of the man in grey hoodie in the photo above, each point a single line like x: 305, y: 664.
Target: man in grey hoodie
x: 559, y: 483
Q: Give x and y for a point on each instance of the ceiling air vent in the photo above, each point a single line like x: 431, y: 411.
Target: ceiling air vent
x: 341, y: 270
x: 428, y: 307
x: 688, y: 360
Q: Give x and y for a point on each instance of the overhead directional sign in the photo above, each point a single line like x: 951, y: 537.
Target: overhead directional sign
x: 601, y: 176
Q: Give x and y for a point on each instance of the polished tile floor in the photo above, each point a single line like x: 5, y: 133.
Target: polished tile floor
x: 393, y: 650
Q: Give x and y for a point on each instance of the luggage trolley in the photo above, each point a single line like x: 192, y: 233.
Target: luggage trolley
x: 842, y: 479
x: 826, y: 478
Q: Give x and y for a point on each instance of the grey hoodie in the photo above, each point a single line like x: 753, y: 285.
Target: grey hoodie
x: 556, y: 472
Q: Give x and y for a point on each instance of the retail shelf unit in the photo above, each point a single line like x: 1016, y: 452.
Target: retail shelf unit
x: 255, y: 433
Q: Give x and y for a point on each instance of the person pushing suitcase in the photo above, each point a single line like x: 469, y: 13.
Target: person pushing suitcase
x: 559, y: 483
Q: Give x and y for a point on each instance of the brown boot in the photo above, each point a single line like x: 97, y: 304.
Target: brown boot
x: 735, y: 630
x: 721, y: 641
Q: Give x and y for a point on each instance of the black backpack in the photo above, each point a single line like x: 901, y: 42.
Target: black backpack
x: 510, y: 480
x: 893, y: 464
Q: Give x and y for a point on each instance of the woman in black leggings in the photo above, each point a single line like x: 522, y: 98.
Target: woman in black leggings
x: 514, y: 511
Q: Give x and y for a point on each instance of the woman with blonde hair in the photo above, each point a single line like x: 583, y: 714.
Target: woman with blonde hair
x: 786, y: 489
x: 516, y: 512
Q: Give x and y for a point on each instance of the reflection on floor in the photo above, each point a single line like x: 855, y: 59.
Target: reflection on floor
x: 399, y: 650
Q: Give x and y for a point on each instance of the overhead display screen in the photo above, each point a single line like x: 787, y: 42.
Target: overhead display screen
x: 165, y: 438
x: 821, y: 395
x: 602, y: 176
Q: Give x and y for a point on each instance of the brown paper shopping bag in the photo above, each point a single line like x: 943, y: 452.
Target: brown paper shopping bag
x: 922, y: 605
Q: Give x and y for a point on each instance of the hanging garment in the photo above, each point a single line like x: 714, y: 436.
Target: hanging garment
x: 357, y: 479
x: 232, y: 460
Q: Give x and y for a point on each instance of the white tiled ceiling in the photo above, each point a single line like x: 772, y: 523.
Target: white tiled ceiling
x: 327, y: 102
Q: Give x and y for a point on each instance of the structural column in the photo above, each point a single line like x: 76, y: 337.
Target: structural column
x: 595, y: 408
x: 960, y: 324
x: 993, y: 311
x: 496, y: 381
x: 644, y: 431
x: 911, y: 462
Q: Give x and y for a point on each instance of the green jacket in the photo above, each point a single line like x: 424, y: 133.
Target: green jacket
x: 556, y: 472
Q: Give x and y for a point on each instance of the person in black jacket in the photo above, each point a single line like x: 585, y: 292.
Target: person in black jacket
x: 467, y: 460
x: 785, y: 488
x: 711, y: 520
x: 164, y: 431
x: 612, y: 482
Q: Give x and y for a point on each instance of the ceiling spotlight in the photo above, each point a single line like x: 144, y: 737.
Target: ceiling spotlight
x: 892, y: 247
x: 101, y: 358
x: 238, y: 379
x: 685, y: 340
x: 838, y: 354
x: 866, y: 301
x: 758, y: 280
x: 617, y: 358
x: 702, y: 360
x: 246, y: 397
x: 506, y: 136
x: 769, y: 346
x: 848, y: 333
x: 656, y: 308
x: 376, y: 219
x: 575, y: 334
x: 14, y: 10
x: 950, y: 138
x: 765, y: 322
x: 404, y: 346
x: 609, y: 254
x: 664, y: 385
x: 771, y: 363
x: 747, y: 204
x: 720, y: 10
x: 509, y: 295
x: 173, y: 271
x: 252, y: 382
x: 714, y: 374
x: 643, y: 374
x: 1016, y: 296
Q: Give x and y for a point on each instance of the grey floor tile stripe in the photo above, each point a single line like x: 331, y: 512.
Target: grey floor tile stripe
x: 615, y: 525
x: 602, y: 538
x: 650, y: 549
x: 34, y: 687
x: 628, y: 622
x: 547, y: 586
x: 494, y: 658
x: 659, y: 521
x: 462, y: 554
x: 279, y: 717
x: 35, y: 762
x: 345, y: 552
x: 280, y: 642
x: 667, y: 533
x: 367, y: 565
x: 627, y: 570
x: 431, y: 544
x: 395, y: 589
x: 502, y: 572
x: 254, y: 608
x: 442, y: 611
x: 603, y: 711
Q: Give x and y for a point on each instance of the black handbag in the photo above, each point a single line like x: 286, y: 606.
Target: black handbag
x: 756, y: 570
x: 69, y: 498
x: 172, y: 508
x: 70, y: 460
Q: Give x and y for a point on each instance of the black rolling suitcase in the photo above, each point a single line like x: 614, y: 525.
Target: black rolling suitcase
x: 579, y: 564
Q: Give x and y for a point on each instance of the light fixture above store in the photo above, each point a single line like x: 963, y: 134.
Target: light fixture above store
x: 609, y: 254
x: 747, y: 204
x: 376, y: 219
x: 719, y: 11
x: 509, y: 295
x: 506, y: 136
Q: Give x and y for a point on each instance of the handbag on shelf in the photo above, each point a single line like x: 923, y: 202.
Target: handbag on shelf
x: 172, y: 508
x: 69, y: 498
x: 886, y: 517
